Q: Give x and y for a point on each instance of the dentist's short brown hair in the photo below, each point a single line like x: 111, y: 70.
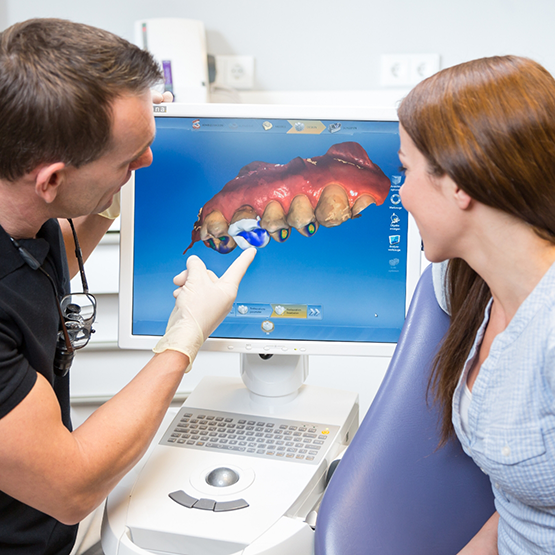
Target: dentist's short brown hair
x: 58, y: 80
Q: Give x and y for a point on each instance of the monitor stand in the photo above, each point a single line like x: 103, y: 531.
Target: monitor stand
x: 273, y: 379
x: 275, y: 493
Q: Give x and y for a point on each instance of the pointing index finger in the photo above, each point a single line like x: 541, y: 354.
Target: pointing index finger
x: 236, y: 271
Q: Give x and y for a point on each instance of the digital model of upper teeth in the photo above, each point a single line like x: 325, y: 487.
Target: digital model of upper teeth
x: 267, y: 200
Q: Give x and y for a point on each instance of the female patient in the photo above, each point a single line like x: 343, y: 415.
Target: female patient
x: 478, y: 146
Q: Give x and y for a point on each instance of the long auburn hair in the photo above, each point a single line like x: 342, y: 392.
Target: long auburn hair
x: 488, y: 124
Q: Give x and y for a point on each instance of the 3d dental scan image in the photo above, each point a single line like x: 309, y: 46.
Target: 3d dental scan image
x: 267, y: 200
x: 318, y: 198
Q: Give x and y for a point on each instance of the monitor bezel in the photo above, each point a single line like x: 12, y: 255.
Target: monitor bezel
x: 127, y: 340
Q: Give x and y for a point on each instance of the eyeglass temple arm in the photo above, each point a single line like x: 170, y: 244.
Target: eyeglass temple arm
x: 79, y: 256
x: 67, y: 340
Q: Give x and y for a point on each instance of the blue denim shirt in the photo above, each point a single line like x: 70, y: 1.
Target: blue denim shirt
x: 512, y: 422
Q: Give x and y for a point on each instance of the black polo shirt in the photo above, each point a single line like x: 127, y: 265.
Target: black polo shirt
x: 29, y: 323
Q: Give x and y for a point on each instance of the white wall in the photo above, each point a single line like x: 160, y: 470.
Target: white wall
x: 326, y: 44
x: 3, y: 13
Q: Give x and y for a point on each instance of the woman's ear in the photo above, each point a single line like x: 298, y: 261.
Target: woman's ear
x: 48, y: 179
x: 462, y: 198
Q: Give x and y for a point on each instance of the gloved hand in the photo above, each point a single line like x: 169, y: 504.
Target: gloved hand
x: 159, y: 97
x: 202, y: 301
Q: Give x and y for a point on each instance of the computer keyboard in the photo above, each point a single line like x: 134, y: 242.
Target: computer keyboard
x: 254, y: 436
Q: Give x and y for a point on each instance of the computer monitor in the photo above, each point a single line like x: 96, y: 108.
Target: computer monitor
x: 318, y: 187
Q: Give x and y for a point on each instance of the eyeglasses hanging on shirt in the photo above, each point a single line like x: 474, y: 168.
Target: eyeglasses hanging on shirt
x: 77, y: 310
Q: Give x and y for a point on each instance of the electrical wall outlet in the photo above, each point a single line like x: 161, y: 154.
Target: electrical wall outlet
x: 394, y: 70
x: 235, y: 71
x: 407, y: 70
x: 423, y: 66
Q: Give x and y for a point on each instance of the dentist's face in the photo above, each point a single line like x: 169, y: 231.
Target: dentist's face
x: 90, y: 188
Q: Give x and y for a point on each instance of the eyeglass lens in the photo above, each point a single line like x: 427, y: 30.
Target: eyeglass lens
x: 79, y: 311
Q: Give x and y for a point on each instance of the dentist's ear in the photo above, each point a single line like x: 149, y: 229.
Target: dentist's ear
x: 47, y: 181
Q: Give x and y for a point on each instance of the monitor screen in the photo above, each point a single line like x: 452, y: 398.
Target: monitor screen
x: 315, y: 189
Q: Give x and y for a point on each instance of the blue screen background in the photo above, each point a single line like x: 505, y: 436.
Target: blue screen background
x: 351, y: 272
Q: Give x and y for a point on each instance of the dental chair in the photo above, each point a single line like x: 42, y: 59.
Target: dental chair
x: 394, y: 492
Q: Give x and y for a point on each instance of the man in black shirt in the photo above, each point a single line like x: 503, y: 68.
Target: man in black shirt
x: 75, y: 121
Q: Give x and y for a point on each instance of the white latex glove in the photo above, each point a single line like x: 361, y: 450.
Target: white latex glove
x: 113, y: 211
x: 202, y: 301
